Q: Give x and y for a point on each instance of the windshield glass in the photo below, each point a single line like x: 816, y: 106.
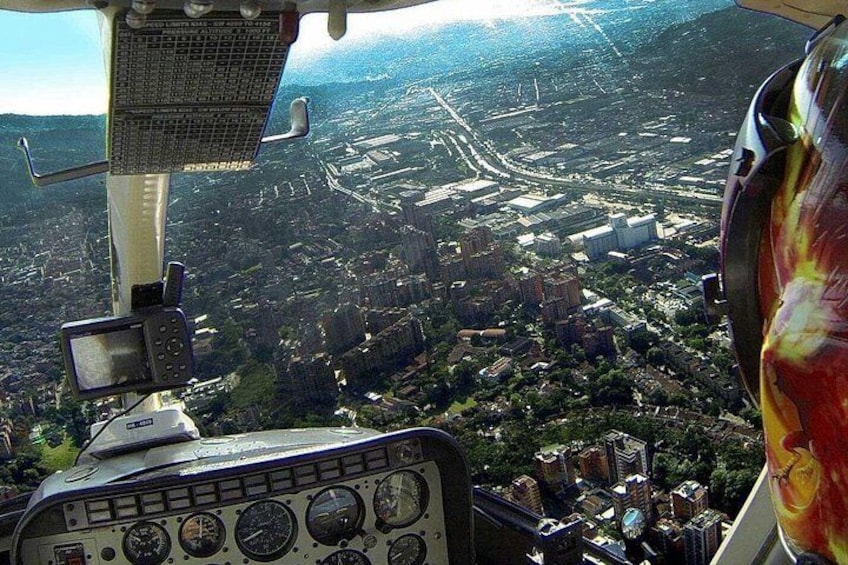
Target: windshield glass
x: 497, y: 226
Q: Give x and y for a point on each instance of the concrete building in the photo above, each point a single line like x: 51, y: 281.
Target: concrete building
x: 530, y: 203
x: 525, y: 491
x: 344, y: 328
x: 497, y: 370
x: 593, y: 464
x: 311, y: 379
x: 418, y: 250
x: 382, y: 292
x: 632, y: 492
x: 701, y: 537
x: 531, y: 287
x: 553, y: 467
x: 558, y: 542
x: 634, y: 232
x: 599, y: 241
x: 548, y: 245
x: 688, y: 500
x: 620, y: 234
x: 554, y: 310
x: 476, y: 188
x: 565, y: 286
x: 391, y: 348
x: 626, y: 455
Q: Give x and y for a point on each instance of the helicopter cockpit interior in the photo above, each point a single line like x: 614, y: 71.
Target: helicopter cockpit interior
x: 191, y: 87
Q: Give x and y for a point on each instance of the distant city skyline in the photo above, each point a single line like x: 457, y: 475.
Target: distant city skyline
x: 53, y: 63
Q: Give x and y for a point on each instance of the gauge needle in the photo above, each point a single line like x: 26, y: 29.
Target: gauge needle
x: 255, y: 534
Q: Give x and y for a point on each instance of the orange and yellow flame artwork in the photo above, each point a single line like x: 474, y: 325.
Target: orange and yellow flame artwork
x: 803, y: 272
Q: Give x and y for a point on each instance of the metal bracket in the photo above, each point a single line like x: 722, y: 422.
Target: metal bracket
x: 63, y: 175
x: 299, y: 115
x: 715, y: 304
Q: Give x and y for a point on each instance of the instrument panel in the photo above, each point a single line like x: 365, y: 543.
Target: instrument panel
x: 379, y: 509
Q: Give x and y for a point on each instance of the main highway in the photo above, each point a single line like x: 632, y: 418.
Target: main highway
x: 490, y: 161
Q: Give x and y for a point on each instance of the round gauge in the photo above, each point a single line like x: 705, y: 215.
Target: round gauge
x: 202, y: 535
x: 146, y: 543
x: 401, y: 498
x: 265, y: 531
x: 335, y: 514
x: 346, y: 557
x: 408, y: 550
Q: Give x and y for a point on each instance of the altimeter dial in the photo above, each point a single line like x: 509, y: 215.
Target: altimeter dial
x: 146, y: 543
x: 346, y: 557
x: 266, y: 531
x: 202, y: 535
x: 408, y: 550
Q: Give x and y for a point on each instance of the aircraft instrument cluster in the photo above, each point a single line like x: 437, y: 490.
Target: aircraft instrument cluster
x: 297, y: 496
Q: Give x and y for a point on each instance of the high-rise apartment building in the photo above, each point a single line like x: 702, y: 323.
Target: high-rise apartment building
x: 344, y: 328
x: 633, y: 492
x: 688, y: 500
x: 626, y: 455
x: 525, y: 491
x: 593, y: 464
x: 553, y: 466
x: 701, y: 537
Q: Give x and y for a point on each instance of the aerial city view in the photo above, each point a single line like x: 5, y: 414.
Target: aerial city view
x: 496, y: 228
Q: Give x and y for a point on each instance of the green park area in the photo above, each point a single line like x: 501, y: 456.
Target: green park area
x: 60, y: 457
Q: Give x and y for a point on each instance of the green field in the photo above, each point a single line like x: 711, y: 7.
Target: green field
x: 457, y: 406
x: 59, y: 458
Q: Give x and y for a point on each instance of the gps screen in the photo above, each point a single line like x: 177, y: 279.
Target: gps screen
x: 110, y: 359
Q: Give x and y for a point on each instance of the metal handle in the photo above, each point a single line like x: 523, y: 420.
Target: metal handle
x: 63, y: 175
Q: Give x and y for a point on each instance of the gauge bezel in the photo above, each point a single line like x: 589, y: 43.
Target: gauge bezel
x: 422, y: 545
x: 159, y: 558
x: 424, y: 501
x: 219, y: 528
x: 350, y: 531
x: 277, y: 553
x: 363, y: 559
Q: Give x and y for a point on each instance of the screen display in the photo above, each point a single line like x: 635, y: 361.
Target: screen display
x: 110, y: 359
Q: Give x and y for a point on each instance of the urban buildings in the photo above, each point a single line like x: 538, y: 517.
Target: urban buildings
x: 626, y: 455
x: 525, y: 491
x: 594, y: 465
x: 621, y: 233
x: 633, y: 492
x: 311, y: 379
x: 531, y: 287
x: 343, y: 328
x: 419, y: 251
x: 701, y: 537
x: 392, y: 347
x: 689, y: 499
x: 553, y: 466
